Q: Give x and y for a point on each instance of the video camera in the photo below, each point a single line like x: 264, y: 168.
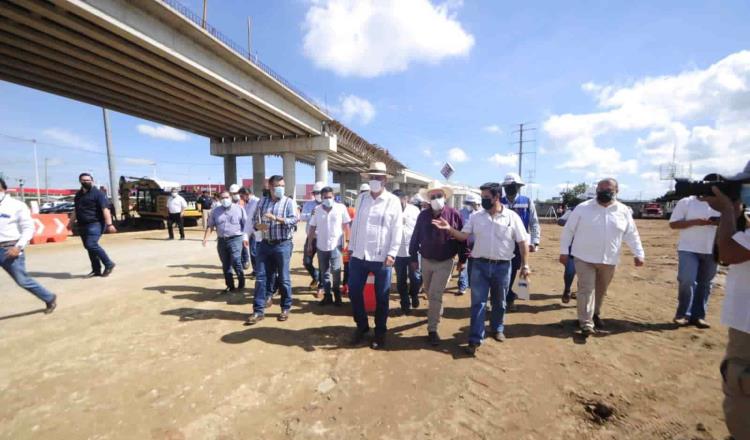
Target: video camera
x: 687, y: 187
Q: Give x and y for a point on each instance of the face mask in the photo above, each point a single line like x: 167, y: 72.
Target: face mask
x: 487, y: 203
x: 376, y: 186
x: 2, y: 195
x: 236, y: 197
x: 744, y: 194
x: 266, y: 193
x: 437, y: 204
x: 226, y: 203
x: 87, y: 185
x: 317, y: 197
x: 328, y: 203
x: 605, y: 196
x: 278, y: 192
x: 511, y: 190
x: 174, y: 194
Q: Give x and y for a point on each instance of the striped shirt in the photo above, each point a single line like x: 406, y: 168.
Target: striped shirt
x: 282, y: 208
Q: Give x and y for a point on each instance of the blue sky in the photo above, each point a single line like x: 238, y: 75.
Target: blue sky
x: 610, y: 89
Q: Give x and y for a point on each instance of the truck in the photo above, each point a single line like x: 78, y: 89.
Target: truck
x: 652, y: 210
x: 144, y: 202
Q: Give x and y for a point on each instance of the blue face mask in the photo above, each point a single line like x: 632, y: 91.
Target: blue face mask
x: 278, y: 192
x: 745, y: 194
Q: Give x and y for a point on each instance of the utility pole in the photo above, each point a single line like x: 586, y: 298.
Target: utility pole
x: 114, y: 187
x: 36, y: 175
x: 20, y: 187
x: 521, y: 130
x: 205, y: 10
x: 250, y: 37
x: 46, y: 177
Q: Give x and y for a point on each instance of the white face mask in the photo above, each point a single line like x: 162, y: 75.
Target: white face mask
x: 328, y: 203
x: 236, y: 197
x: 2, y: 195
x: 174, y: 194
x: 317, y: 197
x: 226, y: 203
x: 437, y: 204
x: 376, y: 186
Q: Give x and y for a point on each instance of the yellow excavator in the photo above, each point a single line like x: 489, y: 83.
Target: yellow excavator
x: 144, y: 202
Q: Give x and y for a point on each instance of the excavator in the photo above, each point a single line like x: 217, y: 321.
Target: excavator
x: 144, y: 202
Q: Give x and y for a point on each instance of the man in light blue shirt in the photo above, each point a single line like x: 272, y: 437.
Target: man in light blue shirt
x: 250, y: 203
x: 229, y: 220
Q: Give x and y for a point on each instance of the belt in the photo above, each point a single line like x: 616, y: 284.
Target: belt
x: 275, y: 242
x: 230, y: 237
x: 489, y: 261
x: 8, y: 244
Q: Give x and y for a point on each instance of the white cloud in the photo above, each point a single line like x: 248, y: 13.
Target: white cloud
x: 163, y: 132
x: 509, y: 159
x: 701, y: 114
x: 457, y: 155
x: 352, y: 108
x: 368, y: 38
x: 494, y: 128
x: 427, y: 152
x: 138, y: 161
x: 69, y: 139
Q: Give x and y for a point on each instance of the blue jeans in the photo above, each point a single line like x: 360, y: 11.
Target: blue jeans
x: 464, y: 277
x: 90, y: 235
x: 16, y: 268
x: 570, y: 273
x: 230, y: 251
x: 490, y: 279
x: 248, y: 254
x: 515, y: 264
x: 358, y: 272
x: 408, y: 291
x: 307, y: 261
x: 272, y: 256
x: 330, y: 263
x: 694, y: 274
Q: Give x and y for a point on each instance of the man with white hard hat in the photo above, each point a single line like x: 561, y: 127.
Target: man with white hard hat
x: 308, y: 211
x: 471, y: 202
x: 364, y: 188
x: 524, y: 207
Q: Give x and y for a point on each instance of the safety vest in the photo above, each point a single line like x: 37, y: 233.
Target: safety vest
x: 522, y: 207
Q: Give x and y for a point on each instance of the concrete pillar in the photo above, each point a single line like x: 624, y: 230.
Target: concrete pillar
x: 230, y: 170
x: 290, y: 181
x: 259, y: 173
x: 321, y: 166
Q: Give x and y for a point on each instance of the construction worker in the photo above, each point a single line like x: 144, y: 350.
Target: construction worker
x: 524, y: 207
x: 93, y: 218
x: 308, y: 257
x: 176, y: 205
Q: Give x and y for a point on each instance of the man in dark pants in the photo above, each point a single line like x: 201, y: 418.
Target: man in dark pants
x: 229, y: 221
x: 176, y: 206
x: 93, y: 218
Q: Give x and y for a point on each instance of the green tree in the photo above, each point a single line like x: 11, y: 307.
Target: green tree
x: 573, y: 196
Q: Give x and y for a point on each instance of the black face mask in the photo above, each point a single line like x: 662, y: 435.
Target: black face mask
x: 487, y: 203
x: 605, y: 196
x: 87, y: 185
x: 511, y: 190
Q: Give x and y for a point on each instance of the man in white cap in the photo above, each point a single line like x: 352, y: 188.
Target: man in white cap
x: 376, y: 237
x: 524, y: 207
x: 596, y: 230
x: 471, y: 203
x: 733, y: 243
x: 308, y: 259
x: 438, y: 250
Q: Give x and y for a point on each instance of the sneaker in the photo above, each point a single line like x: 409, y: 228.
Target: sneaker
x: 682, y: 321
x: 460, y: 292
x: 598, y: 323
x: 565, y: 297
x: 378, y: 342
x: 586, y: 331
x: 358, y: 336
x: 498, y: 336
x: 471, y: 349
x: 433, y: 338
x: 108, y: 270
x: 700, y: 323
x: 93, y: 274
x: 254, y: 319
x: 51, y: 306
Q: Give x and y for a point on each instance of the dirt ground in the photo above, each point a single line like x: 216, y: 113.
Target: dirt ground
x: 153, y: 353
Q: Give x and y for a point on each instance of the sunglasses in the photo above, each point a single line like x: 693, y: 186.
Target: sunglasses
x: 436, y: 196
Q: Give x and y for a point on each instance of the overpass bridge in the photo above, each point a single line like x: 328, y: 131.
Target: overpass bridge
x: 156, y: 60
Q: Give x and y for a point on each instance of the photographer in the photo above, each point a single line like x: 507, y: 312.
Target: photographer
x: 734, y: 250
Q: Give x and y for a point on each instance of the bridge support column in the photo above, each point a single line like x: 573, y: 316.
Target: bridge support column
x: 259, y: 173
x: 321, y: 166
x: 230, y: 170
x: 290, y: 181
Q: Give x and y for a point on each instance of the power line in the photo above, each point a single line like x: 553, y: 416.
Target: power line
x: 521, y: 130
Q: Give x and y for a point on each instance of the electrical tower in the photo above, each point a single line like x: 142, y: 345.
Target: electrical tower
x: 523, y: 129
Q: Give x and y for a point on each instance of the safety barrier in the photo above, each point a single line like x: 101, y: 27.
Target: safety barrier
x: 50, y: 228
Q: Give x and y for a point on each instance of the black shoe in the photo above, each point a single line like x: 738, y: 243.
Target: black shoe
x: 225, y: 291
x: 93, y: 274
x: 325, y: 301
x: 108, y: 270
x: 598, y: 323
x: 700, y: 323
x: 254, y: 319
x: 433, y: 338
x: 337, y: 302
x: 378, y: 342
x: 170, y: 238
x: 182, y: 238
x: 565, y: 297
x: 358, y: 336
x: 587, y: 331
x: 51, y: 306
x: 511, y: 307
x: 405, y: 311
x: 415, y: 302
x: 471, y: 349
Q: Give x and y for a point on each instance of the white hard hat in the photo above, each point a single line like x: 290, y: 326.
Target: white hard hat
x: 318, y: 186
x: 417, y: 198
x: 512, y: 178
x: 472, y: 198
x: 364, y: 187
x: 234, y: 188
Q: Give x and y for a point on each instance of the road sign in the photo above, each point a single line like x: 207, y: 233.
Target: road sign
x: 447, y: 170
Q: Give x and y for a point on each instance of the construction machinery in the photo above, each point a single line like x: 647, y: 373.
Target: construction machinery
x: 144, y: 202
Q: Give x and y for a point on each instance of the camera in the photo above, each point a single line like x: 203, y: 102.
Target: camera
x: 687, y: 187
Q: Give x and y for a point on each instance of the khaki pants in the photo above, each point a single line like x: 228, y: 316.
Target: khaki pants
x: 735, y: 371
x: 435, y: 278
x: 593, y: 281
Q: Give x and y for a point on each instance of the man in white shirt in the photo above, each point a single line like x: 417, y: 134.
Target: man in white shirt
x: 328, y: 225
x: 696, y: 267
x: 734, y: 249
x: 497, y: 231
x: 377, y: 232
x: 596, y: 230
x: 16, y: 231
x: 408, y: 280
x: 308, y: 259
x: 176, y: 206
x: 250, y: 203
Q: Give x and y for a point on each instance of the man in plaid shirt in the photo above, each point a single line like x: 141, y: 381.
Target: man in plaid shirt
x: 276, y: 218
